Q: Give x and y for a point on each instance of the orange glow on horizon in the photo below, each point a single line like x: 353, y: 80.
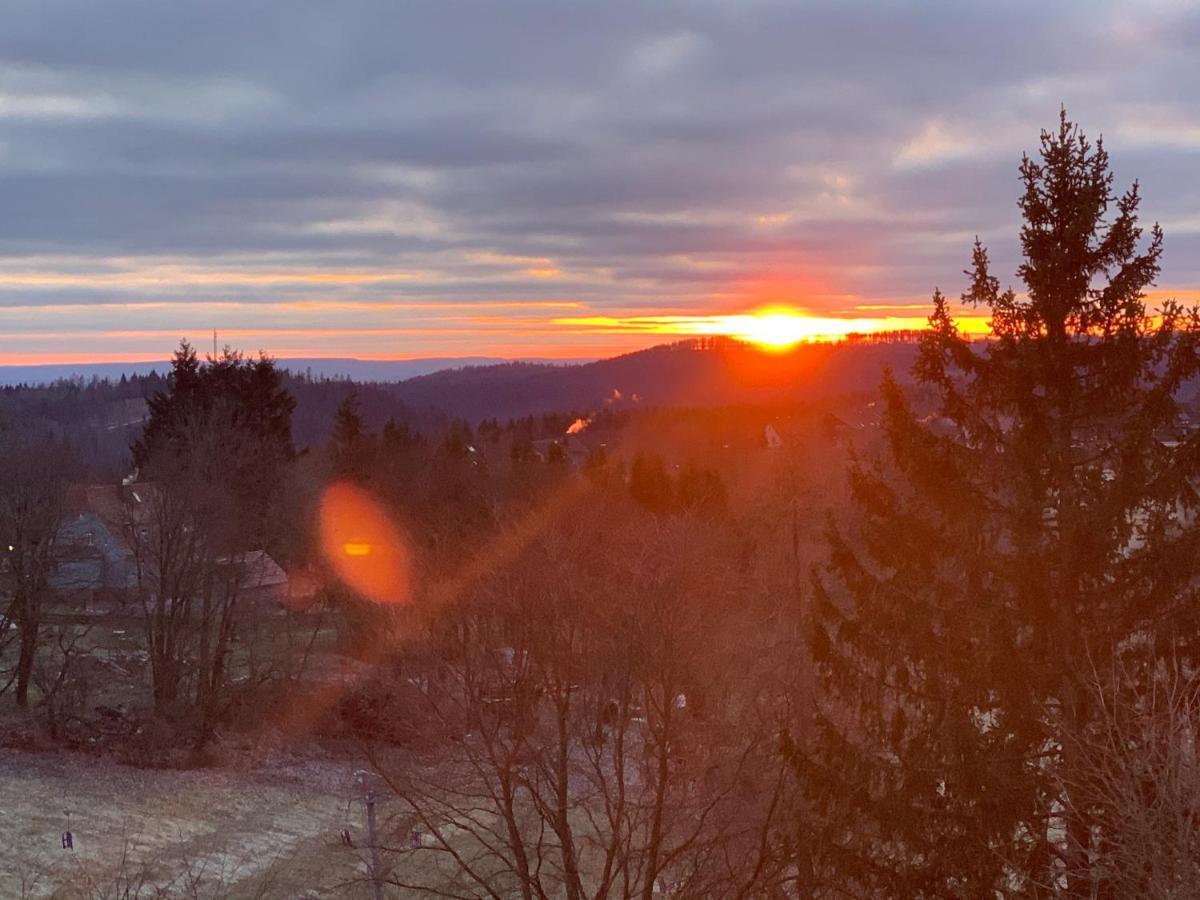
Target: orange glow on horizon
x: 363, y: 545
x: 285, y: 354
x: 565, y: 338
x: 774, y: 328
x: 55, y: 358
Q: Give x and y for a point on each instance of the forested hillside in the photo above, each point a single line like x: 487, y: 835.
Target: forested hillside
x: 711, y: 372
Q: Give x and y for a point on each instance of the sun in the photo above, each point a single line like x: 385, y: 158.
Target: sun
x: 774, y: 330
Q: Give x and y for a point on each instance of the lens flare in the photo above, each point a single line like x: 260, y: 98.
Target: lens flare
x: 363, y: 545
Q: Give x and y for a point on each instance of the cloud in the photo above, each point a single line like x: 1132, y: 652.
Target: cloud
x: 665, y: 54
x: 634, y: 159
x: 1162, y: 126
x: 937, y: 142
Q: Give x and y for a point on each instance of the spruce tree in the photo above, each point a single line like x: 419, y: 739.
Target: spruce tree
x: 650, y: 483
x: 1011, y: 538
x: 348, y: 429
x: 351, y: 442
x: 226, y: 424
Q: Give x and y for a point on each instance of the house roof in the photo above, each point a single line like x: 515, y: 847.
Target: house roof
x: 260, y: 572
x: 92, y: 555
x: 257, y: 569
x: 118, y: 506
x: 96, y: 539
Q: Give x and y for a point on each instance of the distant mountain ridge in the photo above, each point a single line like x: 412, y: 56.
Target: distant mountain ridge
x: 709, y: 372
x: 695, y: 373
x: 382, y: 370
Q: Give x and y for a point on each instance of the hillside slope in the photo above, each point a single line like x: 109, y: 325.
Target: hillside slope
x: 690, y: 373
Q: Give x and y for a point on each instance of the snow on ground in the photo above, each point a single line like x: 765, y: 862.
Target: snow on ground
x: 272, y: 832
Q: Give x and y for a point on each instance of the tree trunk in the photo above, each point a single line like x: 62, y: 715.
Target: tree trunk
x: 562, y: 794
x: 655, y: 840
x: 204, y: 668
x: 28, y: 650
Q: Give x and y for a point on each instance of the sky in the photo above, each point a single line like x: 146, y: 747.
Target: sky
x: 550, y: 179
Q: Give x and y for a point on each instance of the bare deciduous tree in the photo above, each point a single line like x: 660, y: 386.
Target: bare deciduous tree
x: 1138, y: 783
x: 603, y: 730
x: 32, y: 500
x: 214, y: 450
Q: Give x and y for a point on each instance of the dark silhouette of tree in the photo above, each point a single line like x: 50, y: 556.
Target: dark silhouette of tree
x: 457, y: 444
x: 167, y: 406
x: 242, y: 398
x: 596, y: 466
x: 1041, y: 519
x: 32, y: 499
x: 700, y: 490
x: 402, y: 454
x: 398, y: 438
x: 611, y: 740
x: 1139, y: 778
x: 650, y: 484
x: 351, y: 443
x: 458, y: 493
x: 215, y: 451
x: 556, y: 456
x: 521, y: 452
x: 348, y: 428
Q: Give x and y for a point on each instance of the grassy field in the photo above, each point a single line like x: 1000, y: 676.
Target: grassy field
x: 271, y: 832
x: 266, y: 822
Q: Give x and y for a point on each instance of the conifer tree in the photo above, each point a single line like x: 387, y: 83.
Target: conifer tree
x: 215, y: 448
x: 650, y: 483
x: 1036, y: 526
x: 348, y: 428
x: 228, y: 424
x: 351, y: 440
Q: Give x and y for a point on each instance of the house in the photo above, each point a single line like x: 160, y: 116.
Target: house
x: 98, y: 563
x: 259, y: 578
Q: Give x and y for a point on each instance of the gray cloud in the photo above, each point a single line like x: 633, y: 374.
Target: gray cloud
x: 627, y: 156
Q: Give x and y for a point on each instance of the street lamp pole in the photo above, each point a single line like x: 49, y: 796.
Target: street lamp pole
x: 372, y: 835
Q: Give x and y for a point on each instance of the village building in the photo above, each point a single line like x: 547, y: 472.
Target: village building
x: 97, y: 568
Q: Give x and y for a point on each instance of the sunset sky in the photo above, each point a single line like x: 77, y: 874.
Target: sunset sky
x: 564, y: 179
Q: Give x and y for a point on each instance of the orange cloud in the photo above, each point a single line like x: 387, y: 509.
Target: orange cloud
x: 772, y: 327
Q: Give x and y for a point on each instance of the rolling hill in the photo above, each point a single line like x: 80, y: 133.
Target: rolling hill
x: 690, y: 373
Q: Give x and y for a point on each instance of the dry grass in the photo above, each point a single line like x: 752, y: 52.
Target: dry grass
x: 272, y: 832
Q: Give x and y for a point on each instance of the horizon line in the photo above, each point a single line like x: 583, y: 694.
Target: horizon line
x: 136, y: 359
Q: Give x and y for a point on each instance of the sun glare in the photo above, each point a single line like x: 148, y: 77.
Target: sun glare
x: 363, y: 546
x: 774, y: 330
x: 778, y: 329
